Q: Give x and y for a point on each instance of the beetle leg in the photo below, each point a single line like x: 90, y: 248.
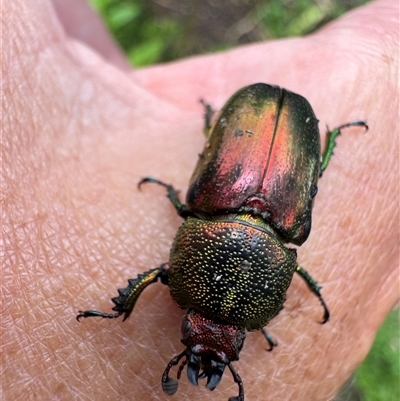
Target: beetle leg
x: 239, y: 381
x: 172, y: 195
x: 331, y: 143
x: 315, y: 289
x: 208, y: 115
x: 128, y: 296
x: 271, y: 342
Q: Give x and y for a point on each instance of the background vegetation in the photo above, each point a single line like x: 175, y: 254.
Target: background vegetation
x: 153, y: 31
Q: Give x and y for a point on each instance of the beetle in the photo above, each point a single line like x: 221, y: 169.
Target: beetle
x: 251, y: 193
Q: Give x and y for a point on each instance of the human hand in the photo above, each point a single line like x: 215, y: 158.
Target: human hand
x: 79, y: 131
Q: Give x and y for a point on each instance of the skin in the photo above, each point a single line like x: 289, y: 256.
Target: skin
x: 80, y: 128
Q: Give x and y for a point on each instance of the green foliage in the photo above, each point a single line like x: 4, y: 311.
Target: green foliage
x: 378, y: 378
x: 152, y: 31
x: 292, y: 17
x: 144, y: 36
x: 284, y: 18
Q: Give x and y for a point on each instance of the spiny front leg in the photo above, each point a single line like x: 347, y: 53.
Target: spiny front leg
x: 128, y: 296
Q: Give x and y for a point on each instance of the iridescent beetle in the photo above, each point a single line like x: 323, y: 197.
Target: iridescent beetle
x: 252, y: 192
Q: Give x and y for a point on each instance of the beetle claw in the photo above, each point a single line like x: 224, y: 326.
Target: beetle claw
x: 215, y: 376
x: 326, y: 311
x: 193, y: 369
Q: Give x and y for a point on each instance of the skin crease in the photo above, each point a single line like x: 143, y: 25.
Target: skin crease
x: 80, y: 129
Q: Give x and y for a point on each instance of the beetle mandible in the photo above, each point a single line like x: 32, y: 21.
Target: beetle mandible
x: 251, y: 193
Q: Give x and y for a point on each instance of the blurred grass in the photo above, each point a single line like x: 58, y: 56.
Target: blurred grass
x: 378, y: 378
x: 157, y: 31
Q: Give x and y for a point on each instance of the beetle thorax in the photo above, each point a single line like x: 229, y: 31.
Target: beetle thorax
x: 232, y: 271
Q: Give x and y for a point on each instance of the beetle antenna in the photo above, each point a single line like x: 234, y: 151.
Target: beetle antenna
x: 170, y: 386
x: 181, y: 366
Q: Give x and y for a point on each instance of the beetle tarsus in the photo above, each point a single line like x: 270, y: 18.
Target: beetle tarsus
x: 331, y: 142
x: 94, y: 313
x: 237, y: 379
x: 315, y: 289
x: 358, y: 123
x: 326, y: 311
x: 208, y: 115
x: 271, y: 342
x: 172, y: 195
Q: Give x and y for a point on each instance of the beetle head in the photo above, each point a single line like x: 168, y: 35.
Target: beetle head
x: 210, y: 348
